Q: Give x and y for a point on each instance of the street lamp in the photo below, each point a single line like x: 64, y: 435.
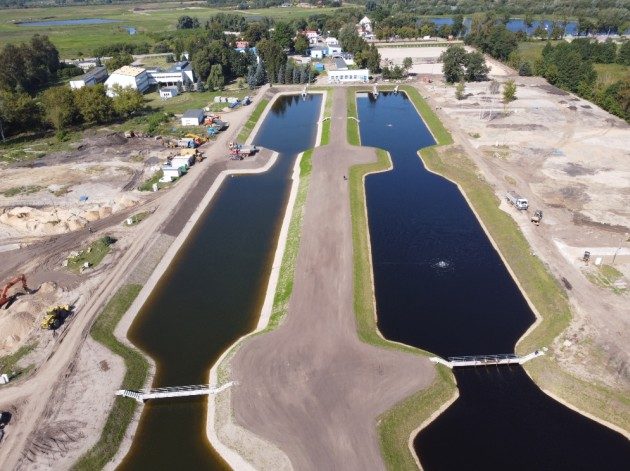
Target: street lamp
x: 625, y: 237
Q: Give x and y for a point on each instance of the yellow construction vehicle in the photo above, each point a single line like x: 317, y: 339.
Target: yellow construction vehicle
x: 198, y: 139
x: 55, y: 316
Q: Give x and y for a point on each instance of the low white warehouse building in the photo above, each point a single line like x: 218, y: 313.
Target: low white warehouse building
x: 192, y: 117
x: 91, y: 77
x: 348, y: 76
x: 128, y: 76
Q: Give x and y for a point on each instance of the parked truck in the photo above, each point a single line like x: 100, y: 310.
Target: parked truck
x: 537, y: 217
x: 518, y: 201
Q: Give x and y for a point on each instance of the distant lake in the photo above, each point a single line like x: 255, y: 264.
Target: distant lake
x: 514, y: 25
x: 81, y: 21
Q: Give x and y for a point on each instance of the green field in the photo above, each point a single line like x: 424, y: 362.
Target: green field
x: 80, y: 40
x: 532, y: 50
x: 610, y: 73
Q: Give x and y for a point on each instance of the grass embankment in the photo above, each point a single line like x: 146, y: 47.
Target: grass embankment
x: 284, y: 288
x: 253, y: 119
x: 542, y: 289
x: 92, y: 255
x: 352, y: 130
x: 396, y: 425
x: 137, y: 368
x: 137, y: 218
x: 325, y: 139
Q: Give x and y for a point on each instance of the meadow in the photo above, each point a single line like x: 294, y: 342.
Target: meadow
x: 80, y: 40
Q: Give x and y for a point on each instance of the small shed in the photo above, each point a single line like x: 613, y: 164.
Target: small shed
x: 192, y: 117
x: 170, y: 173
x: 182, y: 161
x: 168, y: 92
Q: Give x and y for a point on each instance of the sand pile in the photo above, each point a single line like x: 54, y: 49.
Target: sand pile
x: 19, y: 320
x: 49, y: 220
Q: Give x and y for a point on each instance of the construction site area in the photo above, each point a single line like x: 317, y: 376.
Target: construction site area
x: 73, y: 227
x: 570, y: 161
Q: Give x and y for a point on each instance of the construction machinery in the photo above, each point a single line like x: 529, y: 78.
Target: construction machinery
x: 241, y: 149
x: 55, y: 316
x: 4, y: 296
x: 537, y: 217
x: 198, y: 139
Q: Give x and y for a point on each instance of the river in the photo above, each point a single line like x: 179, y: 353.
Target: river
x: 213, y: 292
x: 442, y: 287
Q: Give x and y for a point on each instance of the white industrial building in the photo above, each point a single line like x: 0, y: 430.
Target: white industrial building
x: 91, y: 77
x: 170, y: 173
x: 192, y: 117
x: 168, y: 92
x: 180, y: 75
x: 128, y: 76
x: 347, y: 76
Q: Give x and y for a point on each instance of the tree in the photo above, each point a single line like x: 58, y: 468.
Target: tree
x: 623, y: 57
x: 255, y: 32
x: 458, y: 25
x: 119, y: 60
x: 476, y: 68
x: 186, y: 22
x: 407, y: 63
x: 127, y: 101
x: 373, y: 59
x: 301, y: 44
x: 283, y: 35
x: 216, y: 81
x: 525, y: 69
x: 540, y: 32
x: 260, y: 75
x: 28, y: 67
x: 18, y: 112
x: 93, y: 104
x: 273, y: 56
x: 59, y: 107
x: 453, y: 63
x: 288, y: 72
x: 509, y: 91
x: 460, y: 88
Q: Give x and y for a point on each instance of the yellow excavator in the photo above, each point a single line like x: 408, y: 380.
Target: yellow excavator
x: 198, y: 139
x: 55, y: 316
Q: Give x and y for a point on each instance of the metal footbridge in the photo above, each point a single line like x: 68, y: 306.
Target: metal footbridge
x: 487, y: 360
x: 175, y: 391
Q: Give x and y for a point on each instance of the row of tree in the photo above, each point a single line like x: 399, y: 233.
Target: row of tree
x: 62, y: 107
x: 459, y: 65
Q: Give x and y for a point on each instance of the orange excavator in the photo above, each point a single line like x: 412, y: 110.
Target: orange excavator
x: 4, y: 297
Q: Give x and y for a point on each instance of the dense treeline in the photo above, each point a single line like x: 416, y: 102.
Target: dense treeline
x: 570, y: 66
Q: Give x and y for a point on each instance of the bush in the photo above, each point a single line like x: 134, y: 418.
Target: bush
x: 525, y: 69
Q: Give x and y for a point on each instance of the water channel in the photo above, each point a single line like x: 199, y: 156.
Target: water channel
x: 441, y: 286
x: 212, y: 293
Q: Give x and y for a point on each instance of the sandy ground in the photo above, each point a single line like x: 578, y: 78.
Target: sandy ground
x: 310, y: 386
x: 55, y: 369
x: 570, y: 159
x: 426, y: 59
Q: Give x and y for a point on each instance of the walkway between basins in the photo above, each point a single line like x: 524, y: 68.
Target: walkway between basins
x: 311, y: 386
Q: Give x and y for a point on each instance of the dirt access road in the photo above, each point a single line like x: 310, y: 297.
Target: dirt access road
x: 312, y: 387
x: 32, y: 397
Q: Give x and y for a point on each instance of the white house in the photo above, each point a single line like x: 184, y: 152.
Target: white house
x: 312, y: 36
x: 91, y: 77
x: 182, y: 161
x: 366, y: 24
x: 192, y: 117
x: 347, y: 76
x: 180, y: 74
x: 128, y: 76
x: 334, y: 51
x: 318, y: 52
x: 330, y: 41
x: 168, y: 92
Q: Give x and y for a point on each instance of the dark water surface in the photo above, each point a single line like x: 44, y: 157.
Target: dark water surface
x: 441, y: 286
x: 213, y: 292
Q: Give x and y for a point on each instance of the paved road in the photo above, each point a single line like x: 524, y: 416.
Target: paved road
x: 311, y: 387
